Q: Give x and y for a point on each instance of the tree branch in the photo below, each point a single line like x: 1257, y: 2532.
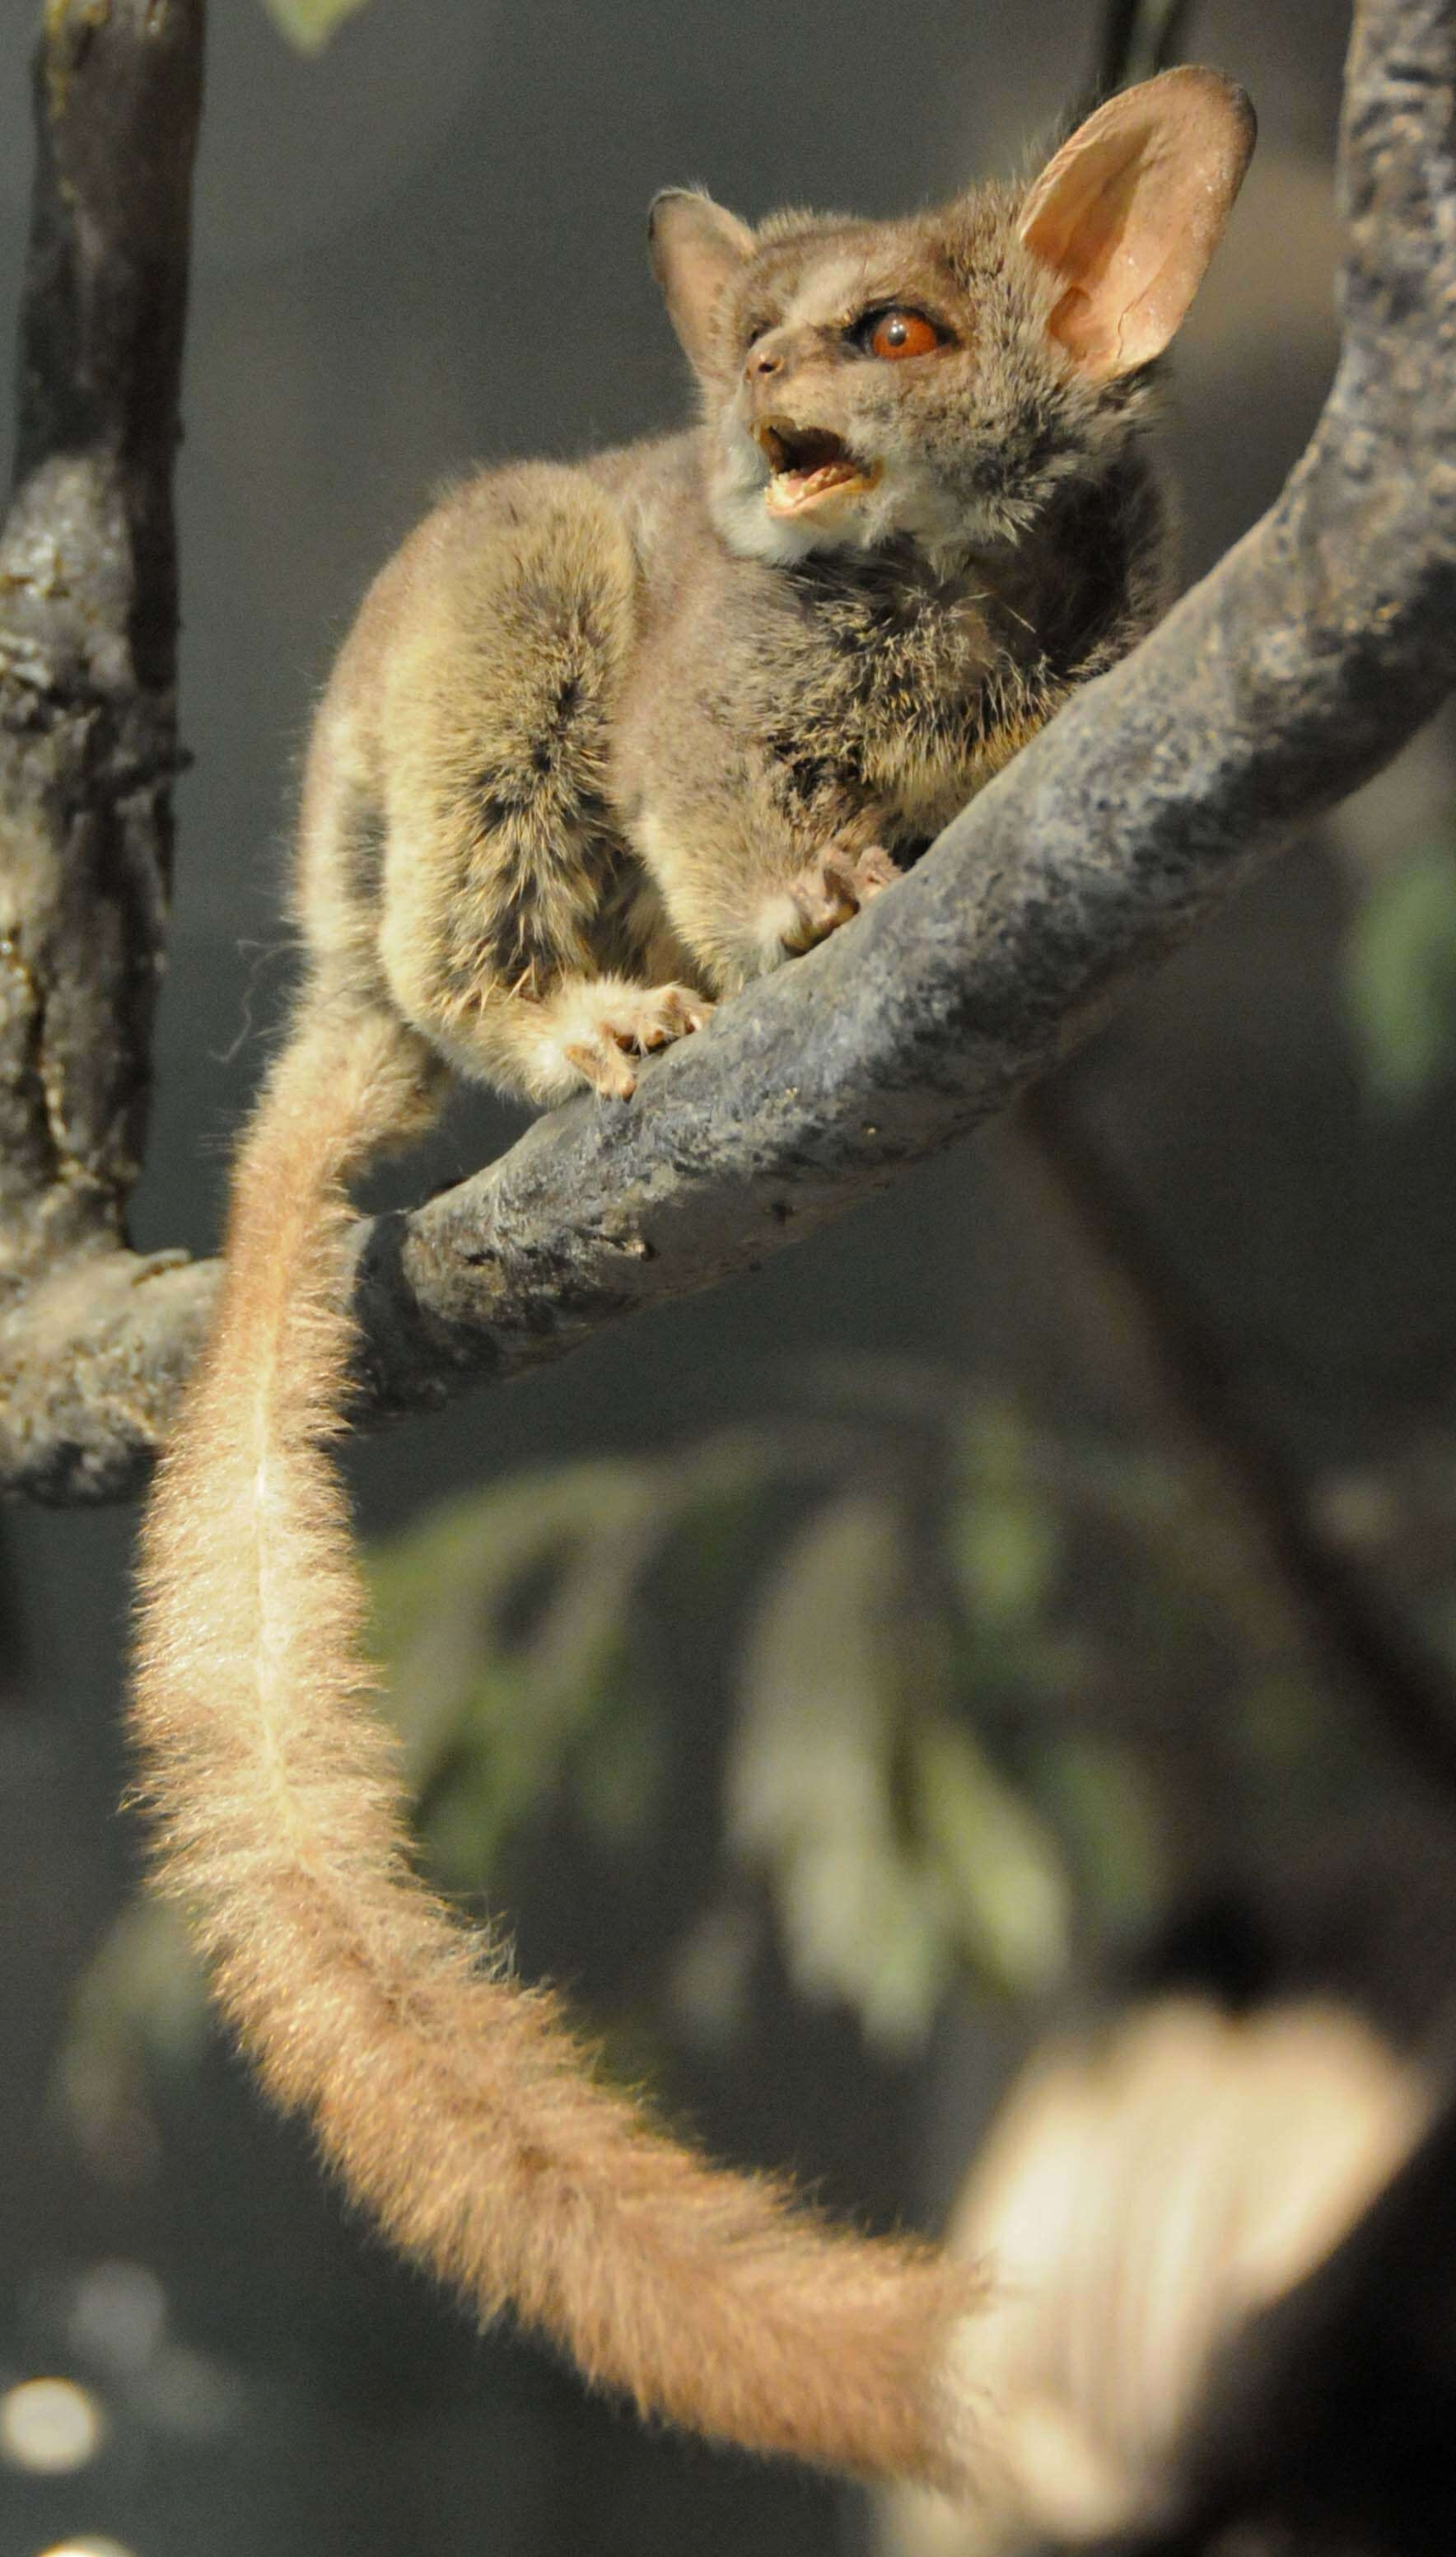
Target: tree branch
x: 88, y: 688
x: 1285, y: 679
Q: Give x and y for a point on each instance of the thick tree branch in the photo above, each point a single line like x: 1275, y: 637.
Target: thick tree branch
x: 1293, y: 673
x: 87, y: 682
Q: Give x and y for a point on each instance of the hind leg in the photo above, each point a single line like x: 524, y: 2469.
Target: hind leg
x: 509, y: 890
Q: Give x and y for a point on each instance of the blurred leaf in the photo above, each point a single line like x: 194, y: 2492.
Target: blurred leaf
x: 895, y: 1850
x: 954, y: 1662
x: 507, y: 1623
x: 1093, y: 1791
x: 1006, y: 1892
x: 444, y: 1594
x: 1400, y: 976
x: 1005, y: 1539
x: 713, y: 1498
x: 504, y: 1619
x: 811, y: 1776
x: 1303, y: 1752
x: 711, y: 1976
x: 309, y: 24
x: 141, y: 2002
x: 617, y: 1771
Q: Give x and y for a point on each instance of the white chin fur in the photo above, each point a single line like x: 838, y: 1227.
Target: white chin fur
x: 741, y: 517
x: 736, y: 495
x: 863, y: 522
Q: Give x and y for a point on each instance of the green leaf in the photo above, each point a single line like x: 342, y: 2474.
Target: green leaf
x: 811, y: 1776
x: 1400, y: 976
x: 503, y: 1619
x: 1095, y: 1792
x: 1003, y: 1531
x: 1007, y: 1896
x: 309, y: 24
x: 533, y: 1575
x: 617, y: 1771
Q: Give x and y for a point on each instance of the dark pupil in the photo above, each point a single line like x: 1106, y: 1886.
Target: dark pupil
x: 896, y: 330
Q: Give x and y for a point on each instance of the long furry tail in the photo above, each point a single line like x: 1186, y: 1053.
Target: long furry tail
x: 458, y: 2107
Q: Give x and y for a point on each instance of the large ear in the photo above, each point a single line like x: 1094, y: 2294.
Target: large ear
x: 696, y: 249
x: 1130, y: 210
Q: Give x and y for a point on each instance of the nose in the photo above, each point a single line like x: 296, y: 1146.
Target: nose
x: 771, y: 354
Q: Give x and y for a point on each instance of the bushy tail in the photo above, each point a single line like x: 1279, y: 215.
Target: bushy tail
x: 458, y: 2106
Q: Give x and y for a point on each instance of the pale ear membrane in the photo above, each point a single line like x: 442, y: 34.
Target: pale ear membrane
x: 696, y: 248
x: 1131, y: 210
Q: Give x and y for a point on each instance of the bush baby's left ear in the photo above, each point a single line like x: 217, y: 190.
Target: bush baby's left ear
x: 1131, y: 210
x: 697, y: 247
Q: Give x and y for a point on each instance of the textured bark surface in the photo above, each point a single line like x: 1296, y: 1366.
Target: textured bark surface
x: 89, y: 729
x: 1285, y: 679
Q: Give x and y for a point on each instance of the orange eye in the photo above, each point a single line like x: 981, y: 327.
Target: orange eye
x: 902, y: 333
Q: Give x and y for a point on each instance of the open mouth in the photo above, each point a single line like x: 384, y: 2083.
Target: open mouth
x: 809, y: 465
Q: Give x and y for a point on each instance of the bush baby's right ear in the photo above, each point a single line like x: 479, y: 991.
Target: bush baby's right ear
x: 697, y: 247
x: 1131, y: 210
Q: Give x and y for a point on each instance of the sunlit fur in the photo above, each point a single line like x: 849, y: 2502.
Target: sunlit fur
x: 973, y: 439
x: 462, y: 2112
x: 1143, y: 2191
x: 579, y: 770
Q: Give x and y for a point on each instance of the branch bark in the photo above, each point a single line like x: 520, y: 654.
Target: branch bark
x: 1284, y: 680
x: 87, y: 714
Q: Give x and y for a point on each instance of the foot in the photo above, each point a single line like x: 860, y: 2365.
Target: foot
x: 610, y: 1028
x: 830, y: 893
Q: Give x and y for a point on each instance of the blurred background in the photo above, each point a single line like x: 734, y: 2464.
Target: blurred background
x: 846, y: 1677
